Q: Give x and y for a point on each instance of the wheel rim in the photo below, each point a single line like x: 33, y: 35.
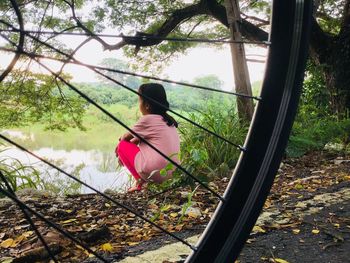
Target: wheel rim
x: 250, y: 184
x: 266, y: 141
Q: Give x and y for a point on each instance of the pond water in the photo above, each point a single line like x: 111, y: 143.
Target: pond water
x: 94, y: 167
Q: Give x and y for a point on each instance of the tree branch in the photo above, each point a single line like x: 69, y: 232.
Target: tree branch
x: 248, y: 30
x: 166, y: 28
x: 257, y: 19
x: 204, y: 7
x: 319, y: 42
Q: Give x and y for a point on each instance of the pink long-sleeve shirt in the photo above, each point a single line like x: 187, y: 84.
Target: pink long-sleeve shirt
x: 165, y: 138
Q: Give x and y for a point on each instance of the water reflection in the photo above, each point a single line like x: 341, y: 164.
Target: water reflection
x: 95, y: 168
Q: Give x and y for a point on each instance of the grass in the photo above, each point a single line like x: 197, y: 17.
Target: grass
x: 101, y: 132
x: 18, y: 175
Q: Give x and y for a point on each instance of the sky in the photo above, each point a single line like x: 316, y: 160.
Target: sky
x: 197, y: 62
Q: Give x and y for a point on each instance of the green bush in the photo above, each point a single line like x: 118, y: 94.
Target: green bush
x: 204, y: 155
x: 18, y: 175
x: 315, y: 126
x: 311, y: 133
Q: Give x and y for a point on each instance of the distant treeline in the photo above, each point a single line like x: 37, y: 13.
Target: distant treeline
x: 180, y: 97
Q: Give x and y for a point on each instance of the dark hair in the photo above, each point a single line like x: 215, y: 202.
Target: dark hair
x: 153, y: 93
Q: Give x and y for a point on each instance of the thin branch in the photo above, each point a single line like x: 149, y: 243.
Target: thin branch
x: 71, y: 55
x: 257, y: 19
x: 44, y: 14
x: 255, y: 60
x: 193, y: 28
x: 20, y: 41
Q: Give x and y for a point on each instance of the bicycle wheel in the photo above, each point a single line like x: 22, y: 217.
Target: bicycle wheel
x: 245, y: 195
x: 250, y: 184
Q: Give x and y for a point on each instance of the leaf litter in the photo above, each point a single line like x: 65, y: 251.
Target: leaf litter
x: 110, y: 230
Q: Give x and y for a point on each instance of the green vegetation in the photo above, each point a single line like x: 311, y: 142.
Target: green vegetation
x: 195, y: 19
x: 201, y: 154
x: 204, y: 155
x: 19, y: 176
x: 311, y: 134
x: 28, y: 98
x: 316, y: 125
x: 99, y: 133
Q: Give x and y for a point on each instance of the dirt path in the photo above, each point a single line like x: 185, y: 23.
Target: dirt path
x: 319, y: 232
x: 305, y: 219
x: 320, y: 237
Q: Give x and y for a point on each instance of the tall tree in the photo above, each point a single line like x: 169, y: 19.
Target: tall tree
x: 330, y: 49
x: 245, y: 107
x: 212, y: 81
x: 329, y: 46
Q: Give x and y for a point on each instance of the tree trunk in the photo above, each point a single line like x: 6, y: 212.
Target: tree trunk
x: 332, y: 53
x: 245, y: 106
x: 337, y: 76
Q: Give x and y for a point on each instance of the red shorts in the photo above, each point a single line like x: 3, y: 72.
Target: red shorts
x: 126, y: 152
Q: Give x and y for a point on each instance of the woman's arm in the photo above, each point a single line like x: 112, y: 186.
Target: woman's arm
x: 126, y: 137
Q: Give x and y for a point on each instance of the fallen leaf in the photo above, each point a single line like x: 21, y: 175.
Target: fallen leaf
x: 165, y: 208
x: 69, y: 221
x: 250, y: 240
x: 6, y: 260
x: 106, y: 247
x: 18, y: 240
x: 298, y: 186
x: 179, y: 227
x: 336, y: 225
x: 27, y: 234
x: 173, y: 214
x: 192, y: 214
x: 315, y: 231
x: 52, y: 237
x: 7, y: 243
x: 258, y: 229
x: 267, y: 204
x: 133, y: 243
x: 153, y: 206
x: 279, y: 260
x: 107, y: 205
x: 2, y: 235
x: 296, y: 231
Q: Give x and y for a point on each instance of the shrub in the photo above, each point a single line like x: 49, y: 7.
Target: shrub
x: 204, y: 155
x: 313, y: 133
x: 18, y: 175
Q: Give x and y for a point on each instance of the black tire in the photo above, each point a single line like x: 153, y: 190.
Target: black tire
x: 251, y: 182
